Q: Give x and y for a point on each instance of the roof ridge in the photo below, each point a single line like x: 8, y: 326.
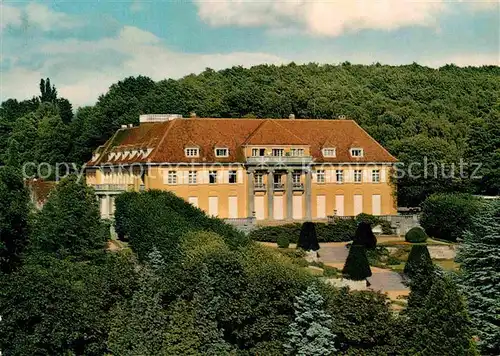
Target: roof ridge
x: 290, y: 132
x: 254, y: 132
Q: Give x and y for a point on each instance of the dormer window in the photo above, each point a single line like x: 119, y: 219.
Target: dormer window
x: 297, y: 152
x: 147, y: 152
x: 117, y: 156
x: 192, y: 152
x: 125, y: 154
x: 95, y: 157
x: 356, y: 152
x: 329, y: 152
x: 111, y: 156
x: 221, y: 152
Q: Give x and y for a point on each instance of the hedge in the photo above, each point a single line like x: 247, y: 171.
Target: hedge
x: 342, y: 230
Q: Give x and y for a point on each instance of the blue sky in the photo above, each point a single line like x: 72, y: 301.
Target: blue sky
x: 85, y: 46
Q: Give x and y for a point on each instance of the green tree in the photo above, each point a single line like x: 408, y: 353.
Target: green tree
x: 356, y: 266
x: 48, y: 93
x: 58, y: 307
x: 14, y: 212
x: 308, y: 239
x: 421, y: 273
x: 310, y: 333
x: 53, y: 140
x: 479, y: 258
x: 69, y: 225
x: 447, y: 216
x: 442, y: 325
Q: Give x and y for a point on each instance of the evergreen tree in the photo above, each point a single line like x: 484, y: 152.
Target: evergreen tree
x: 364, y: 236
x: 14, y: 211
x: 308, y: 239
x: 356, y: 266
x: 48, y: 93
x: 69, y: 223
x: 419, y: 261
x: 421, y: 273
x: 442, y: 325
x: 479, y: 256
x: 310, y: 333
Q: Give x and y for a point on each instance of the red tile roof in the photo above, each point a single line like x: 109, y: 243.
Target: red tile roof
x: 169, y: 139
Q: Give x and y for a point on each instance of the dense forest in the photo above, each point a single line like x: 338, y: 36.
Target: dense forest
x: 445, y: 116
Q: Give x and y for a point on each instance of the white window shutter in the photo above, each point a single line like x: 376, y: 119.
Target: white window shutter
x: 328, y: 176
x: 367, y: 175
x: 239, y: 176
x: 185, y: 177
x: 165, y: 176
x: 383, y: 175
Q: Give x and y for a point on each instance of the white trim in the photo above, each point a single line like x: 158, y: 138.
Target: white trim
x: 356, y: 149
x: 221, y: 148
x: 192, y: 154
x: 324, y: 152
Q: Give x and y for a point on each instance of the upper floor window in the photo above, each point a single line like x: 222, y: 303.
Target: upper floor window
x: 258, y: 152
x: 233, y: 178
x: 357, y: 176
x: 172, y: 177
x: 320, y: 176
x: 212, y: 177
x: 192, y: 177
x: 297, y: 152
x: 258, y: 180
x: 339, y: 175
x: 329, y: 152
x: 192, y: 152
x: 278, y: 152
x: 376, y: 176
x: 356, y: 152
x: 222, y: 152
x: 296, y: 178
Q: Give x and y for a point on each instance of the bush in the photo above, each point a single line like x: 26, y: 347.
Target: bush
x: 283, y: 241
x: 339, y: 231
x: 447, y: 216
x: 356, y: 265
x: 416, y: 235
x: 308, y: 240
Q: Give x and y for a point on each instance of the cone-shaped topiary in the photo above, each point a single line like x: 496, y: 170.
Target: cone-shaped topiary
x: 308, y: 239
x: 356, y: 265
x: 416, y: 235
x: 419, y: 260
x: 364, y: 236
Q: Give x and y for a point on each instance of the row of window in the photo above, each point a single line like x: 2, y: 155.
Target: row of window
x: 339, y: 176
x: 172, y: 177
x: 276, y: 152
x: 195, y: 152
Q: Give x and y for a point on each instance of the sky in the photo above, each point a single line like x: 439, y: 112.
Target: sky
x: 84, y: 46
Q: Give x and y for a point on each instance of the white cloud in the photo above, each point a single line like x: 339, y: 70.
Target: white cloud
x: 463, y: 60
x: 9, y: 16
x: 36, y: 15
x: 328, y: 17
x: 82, y: 70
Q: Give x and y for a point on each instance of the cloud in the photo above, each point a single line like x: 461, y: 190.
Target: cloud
x: 82, y: 70
x: 36, y: 15
x: 463, y: 60
x: 328, y: 17
x: 137, y: 6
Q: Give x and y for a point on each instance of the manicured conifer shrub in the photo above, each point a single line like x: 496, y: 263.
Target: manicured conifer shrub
x: 364, y: 236
x: 308, y: 240
x: 356, y: 265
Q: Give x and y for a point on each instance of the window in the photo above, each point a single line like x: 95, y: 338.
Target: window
x: 192, y: 152
x: 297, y: 152
x: 376, y: 176
x: 296, y: 178
x: 258, y: 180
x: 320, y: 176
x: 192, y: 177
x: 277, y: 152
x: 329, y: 152
x: 356, y: 152
x: 357, y: 176
x: 232, y: 177
x: 172, y: 177
x: 212, y: 177
x: 222, y: 152
x: 258, y: 152
x: 339, y: 174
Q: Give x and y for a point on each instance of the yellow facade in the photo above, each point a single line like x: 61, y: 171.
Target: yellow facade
x: 231, y: 200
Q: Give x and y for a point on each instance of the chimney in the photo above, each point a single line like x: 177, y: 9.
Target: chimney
x: 124, y: 126
x: 192, y: 114
x: 291, y: 116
